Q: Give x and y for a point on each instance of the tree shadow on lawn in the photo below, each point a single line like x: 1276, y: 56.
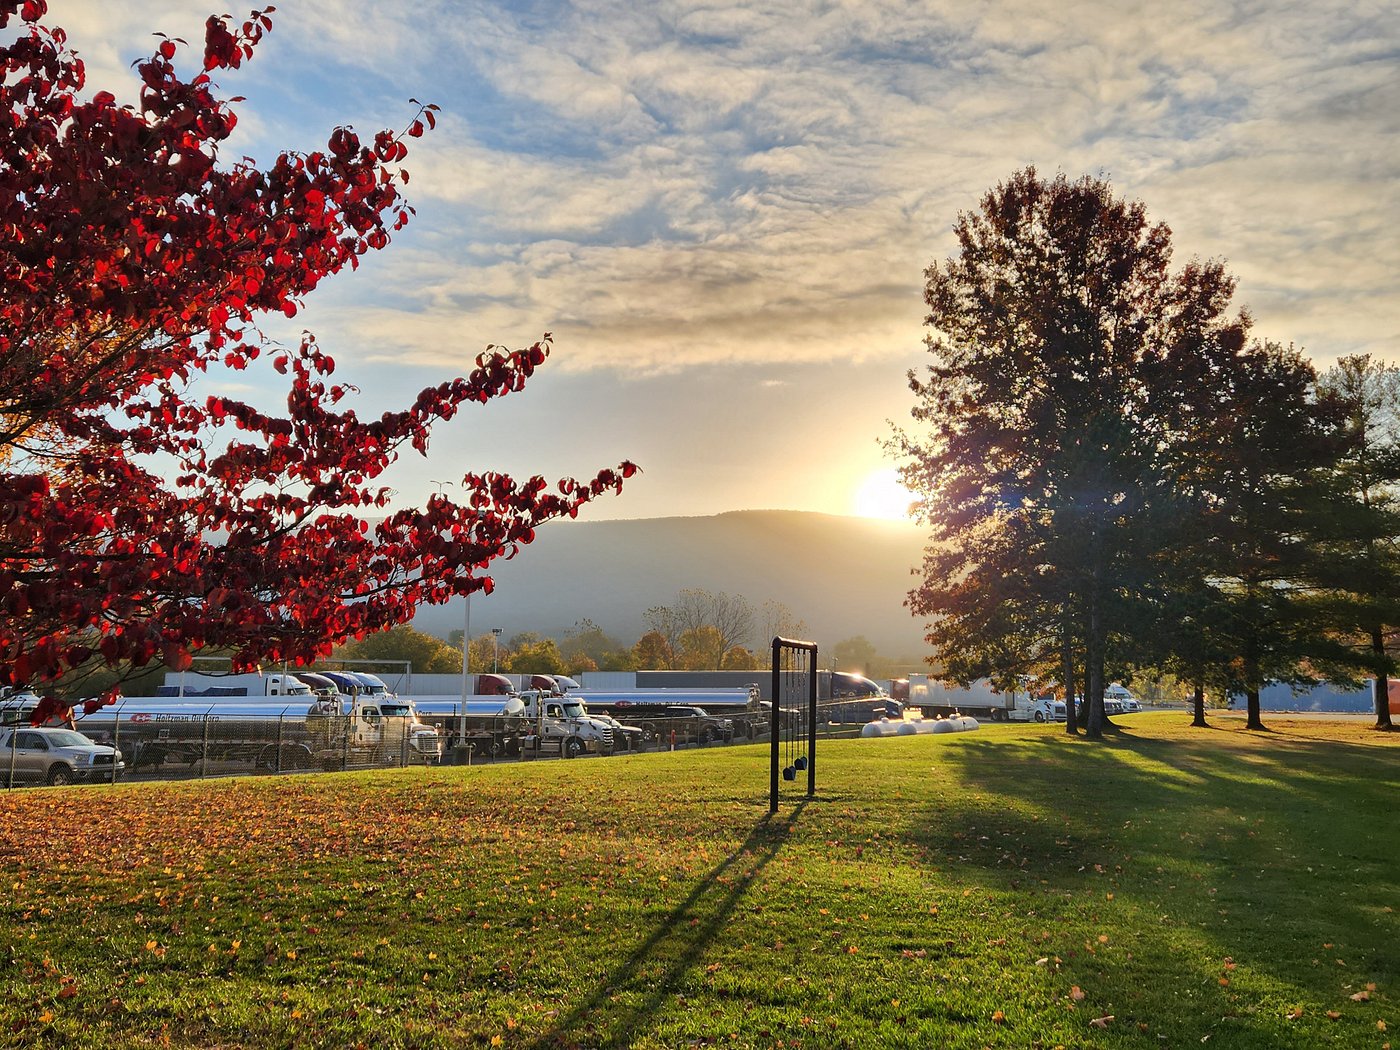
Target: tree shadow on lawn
x: 1262, y: 850
x: 678, y: 942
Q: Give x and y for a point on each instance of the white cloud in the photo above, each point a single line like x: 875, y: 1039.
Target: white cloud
x: 682, y: 182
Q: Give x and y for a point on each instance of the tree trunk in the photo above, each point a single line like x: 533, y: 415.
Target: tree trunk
x: 1081, y: 712
x: 1251, y: 699
x: 1198, y: 703
x: 1067, y: 673
x: 1251, y: 695
x: 1093, y: 686
x: 1380, y: 689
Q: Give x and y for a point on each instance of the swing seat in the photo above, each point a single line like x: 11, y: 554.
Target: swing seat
x: 789, y: 773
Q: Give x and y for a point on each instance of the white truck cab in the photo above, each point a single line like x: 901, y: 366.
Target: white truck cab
x: 563, y: 723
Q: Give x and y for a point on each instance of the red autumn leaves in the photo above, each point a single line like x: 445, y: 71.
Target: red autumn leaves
x: 140, y: 522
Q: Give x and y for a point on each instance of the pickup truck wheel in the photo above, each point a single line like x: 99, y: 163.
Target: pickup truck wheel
x: 704, y: 736
x: 60, y: 774
x: 573, y: 747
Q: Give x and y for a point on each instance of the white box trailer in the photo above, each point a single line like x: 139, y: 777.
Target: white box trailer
x: 979, y: 699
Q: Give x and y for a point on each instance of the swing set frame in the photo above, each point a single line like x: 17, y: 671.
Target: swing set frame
x: 782, y: 646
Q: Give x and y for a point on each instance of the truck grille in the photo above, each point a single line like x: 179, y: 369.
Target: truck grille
x: 101, y: 760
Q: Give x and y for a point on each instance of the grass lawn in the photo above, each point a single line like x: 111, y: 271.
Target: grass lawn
x: 1009, y: 887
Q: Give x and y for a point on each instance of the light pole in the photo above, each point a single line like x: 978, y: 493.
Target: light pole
x: 495, y: 649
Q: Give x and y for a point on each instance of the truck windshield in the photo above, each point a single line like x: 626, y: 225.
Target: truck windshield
x: 397, y: 710
x: 573, y: 709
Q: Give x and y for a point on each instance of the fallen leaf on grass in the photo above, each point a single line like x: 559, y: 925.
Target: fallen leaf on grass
x: 1360, y: 997
x: 1295, y: 1013
x: 1101, y: 1022
x: 1077, y: 994
x: 1333, y: 1015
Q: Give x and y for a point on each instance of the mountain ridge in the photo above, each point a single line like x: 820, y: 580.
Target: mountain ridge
x: 843, y: 576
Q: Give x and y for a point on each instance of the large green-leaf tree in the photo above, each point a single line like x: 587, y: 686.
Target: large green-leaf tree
x: 1062, y: 441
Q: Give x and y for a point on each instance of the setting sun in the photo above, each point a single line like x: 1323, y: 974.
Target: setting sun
x: 881, y: 495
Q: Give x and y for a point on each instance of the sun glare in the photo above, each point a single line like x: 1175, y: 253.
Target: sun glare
x: 881, y: 495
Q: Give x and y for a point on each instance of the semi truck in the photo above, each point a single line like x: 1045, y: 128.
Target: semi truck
x: 494, y: 684
x: 533, y: 719
x: 831, y: 685
x: 978, y: 699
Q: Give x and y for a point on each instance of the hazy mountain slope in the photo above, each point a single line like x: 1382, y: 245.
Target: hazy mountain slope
x: 843, y: 576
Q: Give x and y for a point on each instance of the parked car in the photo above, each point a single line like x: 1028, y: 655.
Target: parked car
x: 47, y: 755
x: 625, y: 738
x: 694, y: 723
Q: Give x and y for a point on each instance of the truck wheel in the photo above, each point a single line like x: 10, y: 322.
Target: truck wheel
x: 1040, y: 716
x: 704, y: 737
x: 573, y: 747
x: 59, y: 774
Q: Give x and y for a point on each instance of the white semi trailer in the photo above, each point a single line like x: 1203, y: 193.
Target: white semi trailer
x: 252, y: 684
x: 978, y: 699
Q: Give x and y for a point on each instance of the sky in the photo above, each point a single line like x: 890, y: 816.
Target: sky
x: 722, y: 211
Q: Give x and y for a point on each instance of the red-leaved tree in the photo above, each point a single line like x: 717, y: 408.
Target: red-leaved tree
x: 138, y: 521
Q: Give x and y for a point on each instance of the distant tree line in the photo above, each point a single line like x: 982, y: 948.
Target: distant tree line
x: 1119, y: 479
x: 699, y: 630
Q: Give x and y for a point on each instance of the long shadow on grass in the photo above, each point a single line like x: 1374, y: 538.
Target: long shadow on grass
x: 1288, y: 810
x: 678, y: 943
x: 1268, y: 854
